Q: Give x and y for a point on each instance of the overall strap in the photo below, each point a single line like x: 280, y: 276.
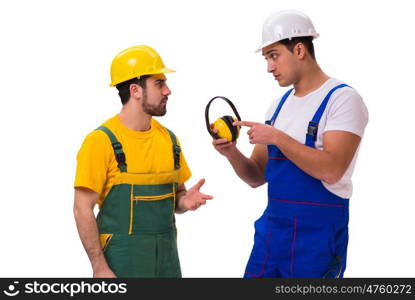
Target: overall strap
x: 277, y: 111
x: 176, y: 149
x: 119, y: 154
x: 312, y: 129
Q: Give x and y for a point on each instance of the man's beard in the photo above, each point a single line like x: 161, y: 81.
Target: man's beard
x: 154, y: 110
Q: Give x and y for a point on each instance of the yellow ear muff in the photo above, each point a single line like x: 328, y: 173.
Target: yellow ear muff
x: 225, y: 128
x: 224, y: 125
x: 232, y: 132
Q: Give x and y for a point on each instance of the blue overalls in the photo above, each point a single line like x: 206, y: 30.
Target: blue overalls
x: 303, y: 232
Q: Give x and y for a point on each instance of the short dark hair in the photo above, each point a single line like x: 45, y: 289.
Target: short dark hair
x: 124, y: 87
x: 307, y: 41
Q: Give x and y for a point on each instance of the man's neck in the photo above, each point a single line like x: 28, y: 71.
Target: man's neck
x: 135, y: 119
x: 312, y: 78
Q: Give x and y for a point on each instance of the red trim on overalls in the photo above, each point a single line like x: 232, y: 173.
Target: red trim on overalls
x: 308, y: 203
x: 293, y: 247
x: 265, y: 258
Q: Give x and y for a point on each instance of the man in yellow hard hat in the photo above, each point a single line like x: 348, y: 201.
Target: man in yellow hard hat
x: 134, y: 169
x: 306, y: 152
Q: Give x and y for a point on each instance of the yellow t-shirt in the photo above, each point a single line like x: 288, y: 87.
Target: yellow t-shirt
x: 145, y: 151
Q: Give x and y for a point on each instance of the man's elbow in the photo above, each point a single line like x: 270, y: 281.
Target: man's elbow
x: 333, y: 176
x: 77, y: 211
x: 82, y: 209
x: 256, y: 184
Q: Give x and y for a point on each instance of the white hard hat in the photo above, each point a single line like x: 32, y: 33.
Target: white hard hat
x: 286, y: 24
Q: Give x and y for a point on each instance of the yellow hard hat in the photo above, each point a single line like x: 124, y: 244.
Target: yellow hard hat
x: 134, y: 62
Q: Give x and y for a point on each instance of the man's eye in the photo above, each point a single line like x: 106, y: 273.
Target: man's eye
x: 274, y: 56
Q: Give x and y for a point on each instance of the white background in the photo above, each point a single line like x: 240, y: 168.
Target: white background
x: 54, y: 75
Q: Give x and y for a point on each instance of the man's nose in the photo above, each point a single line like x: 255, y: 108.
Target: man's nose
x: 167, y: 90
x: 270, y: 67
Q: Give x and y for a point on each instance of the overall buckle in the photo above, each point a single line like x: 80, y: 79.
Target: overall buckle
x: 312, y: 129
x: 176, y: 155
x: 116, y: 146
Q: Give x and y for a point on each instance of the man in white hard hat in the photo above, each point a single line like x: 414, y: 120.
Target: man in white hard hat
x: 306, y: 152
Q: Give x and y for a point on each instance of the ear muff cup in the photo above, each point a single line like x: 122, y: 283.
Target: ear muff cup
x: 223, y: 129
x: 234, y: 130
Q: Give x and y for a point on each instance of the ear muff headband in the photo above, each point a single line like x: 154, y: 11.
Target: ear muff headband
x: 207, y: 116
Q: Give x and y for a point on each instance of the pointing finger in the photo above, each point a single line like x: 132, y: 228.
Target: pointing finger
x: 244, y: 123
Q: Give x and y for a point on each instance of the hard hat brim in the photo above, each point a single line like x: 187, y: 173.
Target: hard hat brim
x: 160, y: 71
x: 266, y: 44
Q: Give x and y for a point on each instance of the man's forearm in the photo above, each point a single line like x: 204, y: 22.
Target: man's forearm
x: 246, y: 168
x: 88, y: 232
x: 317, y: 163
x: 179, y: 209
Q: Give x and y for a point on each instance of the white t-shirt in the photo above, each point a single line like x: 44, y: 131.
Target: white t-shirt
x: 345, y: 111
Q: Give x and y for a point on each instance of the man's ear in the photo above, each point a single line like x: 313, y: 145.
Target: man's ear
x: 136, y: 91
x: 300, y: 50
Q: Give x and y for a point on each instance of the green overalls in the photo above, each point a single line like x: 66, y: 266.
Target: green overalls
x: 136, y: 221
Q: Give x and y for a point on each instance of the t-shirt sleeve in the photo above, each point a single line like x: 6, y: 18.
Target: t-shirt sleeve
x: 93, y: 160
x: 184, y: 172
x: 347, y: 112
